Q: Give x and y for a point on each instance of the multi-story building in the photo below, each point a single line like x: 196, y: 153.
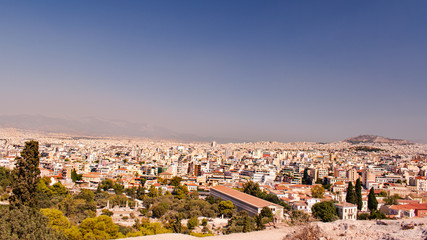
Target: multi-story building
x: 347, y: 211
x: 421, y: 183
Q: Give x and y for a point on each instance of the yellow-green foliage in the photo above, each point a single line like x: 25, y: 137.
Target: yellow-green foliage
x: 56, y: 218
x: 148, y: 228
x: 56, y: 189
x: 201, y: 234
x: 101, y: 227
x: 59, y: 222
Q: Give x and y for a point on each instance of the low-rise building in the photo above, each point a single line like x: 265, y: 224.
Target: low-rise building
x: 243, y: 201
x: 405, y: 210
x: 346, y: 211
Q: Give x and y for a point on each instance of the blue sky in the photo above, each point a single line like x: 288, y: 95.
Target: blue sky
x: 256, y: 70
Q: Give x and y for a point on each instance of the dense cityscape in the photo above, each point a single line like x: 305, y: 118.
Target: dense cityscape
x: 221, y: 120
x: 131, y: 177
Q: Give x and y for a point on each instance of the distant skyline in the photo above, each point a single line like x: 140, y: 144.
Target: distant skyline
x: 255, y: 70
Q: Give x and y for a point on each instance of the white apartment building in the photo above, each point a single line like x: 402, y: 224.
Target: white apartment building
x: 347, y: 211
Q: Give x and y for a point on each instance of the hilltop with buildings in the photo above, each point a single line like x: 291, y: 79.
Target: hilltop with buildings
x: 376, y: 139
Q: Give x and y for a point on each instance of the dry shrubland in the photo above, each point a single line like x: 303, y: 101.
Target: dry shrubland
x: 307, y: 232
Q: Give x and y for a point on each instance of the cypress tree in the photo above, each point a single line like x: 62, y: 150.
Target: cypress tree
x: 359, y: 194
x: 74, y: 175
x: 350, y: 198
x: 372, y: 200
x: 26, y: 177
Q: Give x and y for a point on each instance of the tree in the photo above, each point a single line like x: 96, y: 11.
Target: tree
x: 107, y: 212
x: 266, y: 213
x: 153, y: 192
x: 317, y: 191
x: 26, y: 177
x: 74, y: 176
x: 175, y: 181
x: 327, y: 186
x: 258, y: 222
x: 118, y: 188
x: 306, y: 178
x: 26, y: 223
x: 86, y: 194
x: 194, y: 195
x: 56, y: 218
x: 325, y: 211
x: 359, y: 201
x: 363, y: 216
x: 204, y: 222
x: 175, y: 224
x: 299, y: 217
x: 159, y: 211
x: 392, y: 200
x: 107, y: 184
x: 192, y: 223
x: 180, y: 191
x: 372, y: 200
x: 226, y: 208
x: 59, y: 222
x: 251, y: 188
x: 350, y: 197
x: 376, y: 214
x: 242, y: 222
x: 5, y: 178
x: 59, y: 190
x: 140, y: 193
x: 101, y: 227
x: 76, y: 209
x: 147, y: 228
x: 383, y: 193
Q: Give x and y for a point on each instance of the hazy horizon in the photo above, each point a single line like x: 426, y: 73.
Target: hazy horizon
x: 100, y: 128
x: 250, y: 70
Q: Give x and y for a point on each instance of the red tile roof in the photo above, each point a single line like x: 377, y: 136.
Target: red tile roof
x: 257, y: 202
x: 419, y: 206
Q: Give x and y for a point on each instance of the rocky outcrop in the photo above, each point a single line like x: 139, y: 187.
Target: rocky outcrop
x: 384, y: 229
x: 407, y: 229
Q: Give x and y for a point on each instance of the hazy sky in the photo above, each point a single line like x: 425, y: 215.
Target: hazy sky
x: 258, y: 70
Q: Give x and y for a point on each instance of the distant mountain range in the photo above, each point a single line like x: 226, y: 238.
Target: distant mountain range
x: 375, y: 139
x: 98, y: 128
x: 94, y: 127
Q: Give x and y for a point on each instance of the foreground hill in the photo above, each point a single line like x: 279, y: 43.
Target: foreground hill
x: 375, y: 139
x: 340, y: 230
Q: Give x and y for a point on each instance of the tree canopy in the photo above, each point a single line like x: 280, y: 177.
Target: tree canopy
x: 326, y: 211
x: 26, y: 223
x: 392, y: 200
x: 350, y: 197
x: 317, y: 191
x: 358, y: 192
x: 372, y: 200
x: 101, y: 227
x: 226, y: 208
x: 26, y: 176
x: 241, y: 222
